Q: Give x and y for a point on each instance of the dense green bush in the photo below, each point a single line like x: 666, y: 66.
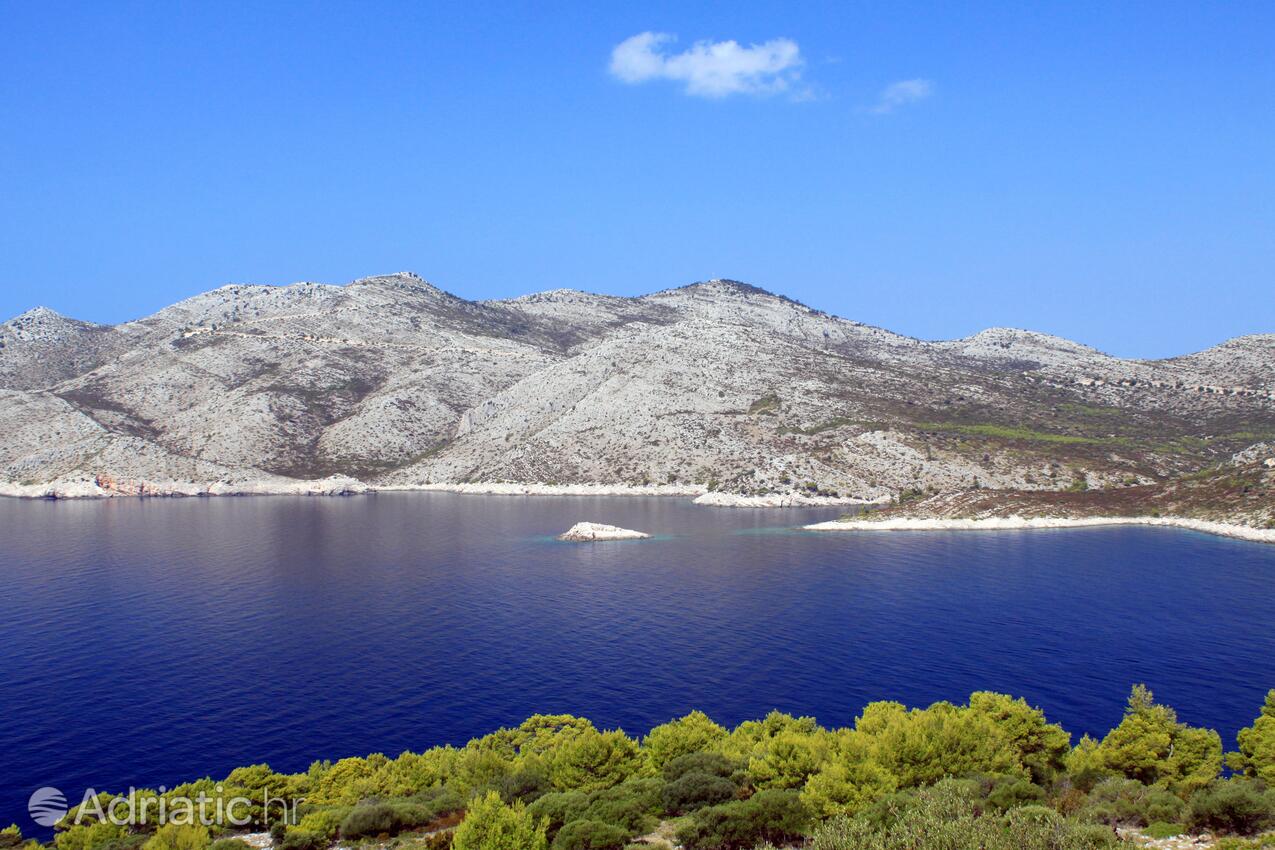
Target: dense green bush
x: 1151, y: 746
x: 1130, y: 803
x: 492, y: 825
x: 559, y: 808
x: 325, y: 821
x: 713, y: 764
x: 1015, y: 793
x: 590, y: 835
x: 1257, y: 744
x: 383, y: 819
x: 1261, y: 842
x: 231, y: 844
x: 1160, y: 829
x: 592, y: 760
x: 630, y: 813
x: 774, y: 815
x: 174, y: 836
x: 694, y: 733
x: 303, y: 839
x: 949, y: 815
x: 526, y: 785
x: 696, y: 790
x: 882, y: 813
x: 1236, y: 805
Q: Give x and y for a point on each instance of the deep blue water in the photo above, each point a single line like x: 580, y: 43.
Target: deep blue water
x: 144, y: 642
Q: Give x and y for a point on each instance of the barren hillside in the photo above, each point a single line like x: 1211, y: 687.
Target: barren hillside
x: 391, y: 382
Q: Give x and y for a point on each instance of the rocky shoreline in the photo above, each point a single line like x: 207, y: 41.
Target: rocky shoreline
x: 339, y: 485
x: 100, y: 488
x: 1009, y: 523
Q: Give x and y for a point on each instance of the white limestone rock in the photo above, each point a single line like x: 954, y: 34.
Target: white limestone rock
x: 589, y: 532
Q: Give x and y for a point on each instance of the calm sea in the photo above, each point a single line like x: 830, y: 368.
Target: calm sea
x: 145, y: 642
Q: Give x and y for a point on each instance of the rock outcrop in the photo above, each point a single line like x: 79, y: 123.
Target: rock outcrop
x: 588, y: 532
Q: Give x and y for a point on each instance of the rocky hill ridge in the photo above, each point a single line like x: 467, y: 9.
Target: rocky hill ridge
x: 390, y: 381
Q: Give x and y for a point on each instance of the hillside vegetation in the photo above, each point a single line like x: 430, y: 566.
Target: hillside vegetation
x: 992, y: 773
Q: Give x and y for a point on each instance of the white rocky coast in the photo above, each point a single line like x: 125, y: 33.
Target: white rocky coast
x: 505, y: 488
x: 780, y: 500
x: 1225, y: 529
x: 589, y: 532
x: 104, y: 486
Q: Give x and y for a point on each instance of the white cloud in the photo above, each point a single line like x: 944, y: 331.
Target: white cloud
x: 709, y: 68
x: 902, y: 93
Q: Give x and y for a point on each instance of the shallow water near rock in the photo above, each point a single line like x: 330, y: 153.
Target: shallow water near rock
x: 145, y: 642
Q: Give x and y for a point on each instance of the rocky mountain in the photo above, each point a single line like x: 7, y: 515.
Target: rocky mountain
x: 719, y: 386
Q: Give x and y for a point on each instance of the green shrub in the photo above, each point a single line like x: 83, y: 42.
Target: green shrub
x: 644, y: 793
x: 383, y: 819
x: 693, y: 733
x: 1153, y: 747
x: 304, y: 839
x: 1019, y: 792
x: 88, y: 836
x: 591, y: 835
x: 774, y: 815
x: 591, y: 760
x: 629, y: 814
x: 1160, y: 829
x: 1032, y: 816
x: 950, y: 815
x: 231, y: 844
x: 559, y: 808
x: 1262, y: 842
x: 1129, y: 802
x: 439, y: 801
x: 1234, y: 805
x: 10, y: 837
x: 1163, y: 807
x: 174, y: 836
x: 1257, y: 742
x: 325, y: 821
x: 884, y: 812
x: 696, y: 790
x: 713, y: 764
x: 490, y: 824
x: 525, y: 785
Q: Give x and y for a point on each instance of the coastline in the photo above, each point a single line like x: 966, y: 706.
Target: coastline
x: 782, y: 500
x: 702, y: 496
x: 338, y: 485
x: 105, y: 488
x: 498, y: 488
x: 1017, y: 523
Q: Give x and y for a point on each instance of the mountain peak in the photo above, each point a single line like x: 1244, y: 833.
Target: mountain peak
x: 733, y: 287
x: 727, y: 291
x: 41, y: 313
x: 400, y: 280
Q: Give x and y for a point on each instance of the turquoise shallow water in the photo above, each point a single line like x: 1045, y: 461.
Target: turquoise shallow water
x: 150, y: 641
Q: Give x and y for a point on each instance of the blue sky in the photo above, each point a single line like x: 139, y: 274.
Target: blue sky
x: 1101, y: 171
